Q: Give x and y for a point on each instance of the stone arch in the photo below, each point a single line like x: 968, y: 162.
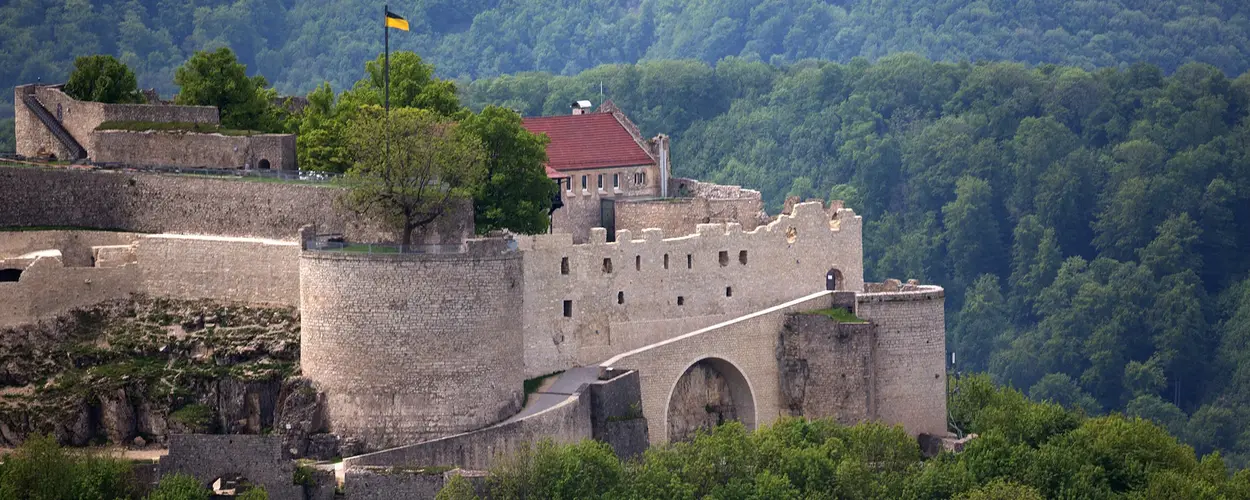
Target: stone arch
x: 833, y: 280
x: 10, y: 274
x: 263, y: 165
x: 709, y: 392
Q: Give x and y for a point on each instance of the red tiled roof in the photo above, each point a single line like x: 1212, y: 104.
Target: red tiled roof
x: 554, y: 174
x: 592, y: 140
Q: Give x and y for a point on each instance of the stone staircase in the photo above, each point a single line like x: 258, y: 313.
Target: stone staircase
x: 77, y: 152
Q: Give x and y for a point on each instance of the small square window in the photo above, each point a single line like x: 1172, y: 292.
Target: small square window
x: 723, y: 257
x: 620, y: 297
x: 607, y: 266
x: 564, y: 265
x: 729, y: 291
x: 568, y: 309
x: 681, y: 301
x: 742, y: 257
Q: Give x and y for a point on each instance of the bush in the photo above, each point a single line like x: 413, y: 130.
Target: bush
x: 40, y: 468
x: 179, y: 487
x: 102, y: 78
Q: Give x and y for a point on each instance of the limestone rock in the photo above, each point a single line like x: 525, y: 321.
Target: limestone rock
x: 300, y: 414
x: 117, y: 416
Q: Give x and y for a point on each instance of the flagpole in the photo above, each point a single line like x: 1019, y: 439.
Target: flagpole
x: 386, y: 75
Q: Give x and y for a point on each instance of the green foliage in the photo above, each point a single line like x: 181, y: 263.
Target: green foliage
x: 458, y: 488
x: 218, y: 79
x: 102, y: 78
x: 254, y: 493
x: 838, y: 314
x: 516, y: 194
x: 197, y: 417
x: 410, y: 167
x: 179, y: 487
x: 40, y: 468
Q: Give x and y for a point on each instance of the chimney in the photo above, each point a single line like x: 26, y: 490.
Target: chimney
x: 580, y: 107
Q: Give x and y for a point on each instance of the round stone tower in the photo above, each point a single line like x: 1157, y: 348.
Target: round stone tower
x: 411, y: 347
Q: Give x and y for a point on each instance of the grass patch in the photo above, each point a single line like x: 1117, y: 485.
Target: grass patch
x: 195, y: 416
x: 838, y: 314
x: 531, y: 385
x: 200, y: 128
x: 365, y: 248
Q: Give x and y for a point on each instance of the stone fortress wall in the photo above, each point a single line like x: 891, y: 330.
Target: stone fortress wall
x: 161, y: 203
x: 411, y: 347
x: 82, y: 118
x: 645, y: 288
x: 909, y: 355
x: 55, y: 281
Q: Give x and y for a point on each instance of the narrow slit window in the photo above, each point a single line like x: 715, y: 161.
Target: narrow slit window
x: 742, y: 257
x: 665, y: 261
x: 607, y: 265
x: 616, y: 180
x: 620, y: 297
x: 583, y: 183
x: 689, y: 261
x: 600, y: 181
x: 729, y: 291
x: 637, y: 262
x: 681, y: 301
x: 564, y: 265
x: 568, y: 309
x: 723, y: 257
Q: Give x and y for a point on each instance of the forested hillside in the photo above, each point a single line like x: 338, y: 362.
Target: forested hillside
x: 1091, y: 228
x: 298, y: 44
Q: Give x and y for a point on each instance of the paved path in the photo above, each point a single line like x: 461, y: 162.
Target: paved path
x: 559, y: 390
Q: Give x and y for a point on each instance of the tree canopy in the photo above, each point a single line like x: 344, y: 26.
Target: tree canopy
x: 102, y: 78
x: 217, y: 79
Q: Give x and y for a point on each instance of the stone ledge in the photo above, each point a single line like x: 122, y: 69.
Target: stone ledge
x: 927, y: 292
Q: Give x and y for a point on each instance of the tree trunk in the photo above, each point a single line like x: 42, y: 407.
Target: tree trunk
x: 407, y: 238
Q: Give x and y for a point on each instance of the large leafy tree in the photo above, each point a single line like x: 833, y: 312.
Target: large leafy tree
x: 410, y: 168
x: 516, y: 193
x: 102, y: 78
x: 218, y: 79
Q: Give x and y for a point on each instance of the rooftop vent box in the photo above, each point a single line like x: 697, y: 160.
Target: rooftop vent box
x: 580, y: 107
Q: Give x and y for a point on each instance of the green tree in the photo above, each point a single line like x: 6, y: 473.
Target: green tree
x: 410, y: 168
x: 458, y: 488
x: 982, y: 320
x: 179, y: 487
x: 218, y: 79
x: 516, y: 193
x: 413, y: 85
x: 40, y: 468
x: 972, y: 239
x: 102, y: 78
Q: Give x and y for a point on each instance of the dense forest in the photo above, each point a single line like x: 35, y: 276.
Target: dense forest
x: 299, y: 44
x: 1090, y: 227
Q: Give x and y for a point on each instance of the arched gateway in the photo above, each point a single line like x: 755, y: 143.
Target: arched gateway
x: 710, y: 392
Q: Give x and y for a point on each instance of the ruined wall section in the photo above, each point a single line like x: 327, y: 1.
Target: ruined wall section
x: 157, y: 203
x: 826, y: 368
x: 194, y: 150
x: 81, y: 118
x: 75, y: 245
x: 258, y: 458
x: 225, y: 269
x: 412, y: 347
x: 176, y: 266
x: 622, y: 295
x: 910, y: 356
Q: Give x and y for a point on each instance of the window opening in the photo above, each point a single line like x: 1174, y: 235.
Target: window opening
x: 616, y: 180
x: 637, y: 262
x: 665, y: 261
x: 729, y: 291
x: 689, y: 261
x: 742, y: 257
x: 600, y: 181
x: 564, y: 265
x: 723, y: 257
x: 583, y: 183
x: 620, y: 297
x: 681, y: 301
x: 568, y: 309
x: 607, y: 265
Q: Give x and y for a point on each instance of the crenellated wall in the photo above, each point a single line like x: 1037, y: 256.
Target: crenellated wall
x: 719, y: 273
x: 411, y: 347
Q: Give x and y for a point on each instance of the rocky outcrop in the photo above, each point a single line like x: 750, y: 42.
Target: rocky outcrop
x: 134, y: 371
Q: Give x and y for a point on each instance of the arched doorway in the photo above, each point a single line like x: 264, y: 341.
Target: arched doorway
x: 709, y: 392
x: 833, y: 279
x: 263, y: 165
x: 10, y: 274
